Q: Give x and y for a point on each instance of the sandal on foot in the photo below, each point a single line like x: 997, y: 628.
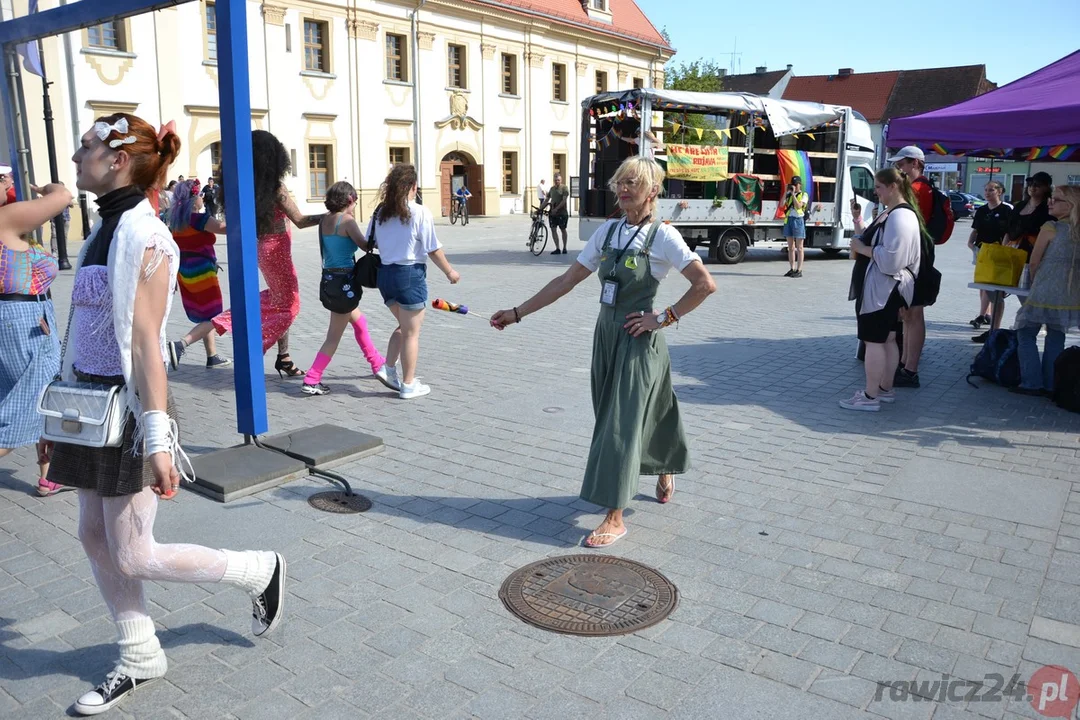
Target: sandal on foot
x: 594, y: 534
x: 45, y: 488
x: 664, y: 491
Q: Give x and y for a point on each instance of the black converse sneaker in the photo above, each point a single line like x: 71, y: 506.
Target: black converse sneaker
x: 266, y: 609
x: 176, y: 351
x: 116, y: 687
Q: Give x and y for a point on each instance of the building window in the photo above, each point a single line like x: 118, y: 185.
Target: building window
x: 558, y: 165
x: 558, y: 82
x: 509, y: 166
x: 601, y: 82
x: 399, y: 156
x: 211, y: 32
x: 396, y: 68
x: 215, y: 161
x: 108, y: 36
x: 315, y: 46
x: 639, y: 82
x: 455, y: 65
x: 509, y: 74
x: 319, y: 160
x: 598, y: 5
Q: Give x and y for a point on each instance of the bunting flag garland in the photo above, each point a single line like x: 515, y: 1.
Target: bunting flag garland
x: 699, y: 132
x: 675, y: 127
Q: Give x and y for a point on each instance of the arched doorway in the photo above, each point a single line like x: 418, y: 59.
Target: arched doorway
x: 457, y: 169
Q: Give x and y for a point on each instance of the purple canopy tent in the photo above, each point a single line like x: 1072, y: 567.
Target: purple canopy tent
x: 1034, y: 118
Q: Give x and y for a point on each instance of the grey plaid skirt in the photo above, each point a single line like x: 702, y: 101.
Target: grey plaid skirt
x: 109, y: 471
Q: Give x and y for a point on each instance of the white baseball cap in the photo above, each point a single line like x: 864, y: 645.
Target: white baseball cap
x: 911, y: 152
x: 5, y: 169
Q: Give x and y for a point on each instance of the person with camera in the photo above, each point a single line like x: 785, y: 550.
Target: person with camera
x: 795, y: 202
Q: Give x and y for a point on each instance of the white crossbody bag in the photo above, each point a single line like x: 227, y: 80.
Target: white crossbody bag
x: 81, y: 413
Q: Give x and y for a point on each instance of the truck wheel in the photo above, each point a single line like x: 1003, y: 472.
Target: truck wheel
x: 732, y: 246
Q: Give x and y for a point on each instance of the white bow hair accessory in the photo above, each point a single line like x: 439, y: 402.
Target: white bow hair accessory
x: 104, y: 129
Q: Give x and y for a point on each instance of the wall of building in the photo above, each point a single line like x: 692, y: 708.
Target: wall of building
x: 166, y: 73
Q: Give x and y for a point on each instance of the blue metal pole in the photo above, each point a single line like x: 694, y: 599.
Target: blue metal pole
x: 239, y: 181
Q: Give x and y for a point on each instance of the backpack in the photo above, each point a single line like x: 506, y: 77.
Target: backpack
x: 941, y: 220
x: 1067, y: 380
x: 998, y: 360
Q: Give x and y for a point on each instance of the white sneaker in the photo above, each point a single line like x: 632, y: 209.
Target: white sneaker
x: 886, y: 396
x: 388, y: 376
x: 414, y: 390
x: 860, y: 402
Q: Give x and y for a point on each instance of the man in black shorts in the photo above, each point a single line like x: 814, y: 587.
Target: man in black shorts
x: 558, y: 200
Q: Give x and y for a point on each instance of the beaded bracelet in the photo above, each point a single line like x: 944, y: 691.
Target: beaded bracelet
x: 517, y: 318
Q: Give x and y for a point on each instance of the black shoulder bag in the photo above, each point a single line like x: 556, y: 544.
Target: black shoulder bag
x: 339, y: 291
x: 367, y: 267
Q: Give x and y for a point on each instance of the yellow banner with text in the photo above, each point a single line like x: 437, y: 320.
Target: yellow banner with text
x: 702, y: 163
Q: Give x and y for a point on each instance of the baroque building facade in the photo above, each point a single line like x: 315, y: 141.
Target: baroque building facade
x: 488, y: 92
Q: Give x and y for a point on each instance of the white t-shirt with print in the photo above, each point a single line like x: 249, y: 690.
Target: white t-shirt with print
x: 408, y: 243
x: 668, y: 250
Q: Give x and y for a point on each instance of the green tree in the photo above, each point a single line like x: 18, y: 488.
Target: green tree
x: 697, y: 76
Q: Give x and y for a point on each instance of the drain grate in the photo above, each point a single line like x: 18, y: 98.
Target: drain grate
x: 337, y: 501
x: 589, y: 595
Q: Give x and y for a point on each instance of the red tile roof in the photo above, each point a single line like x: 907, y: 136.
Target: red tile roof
x: 627, y: 19
x: 866, y: 92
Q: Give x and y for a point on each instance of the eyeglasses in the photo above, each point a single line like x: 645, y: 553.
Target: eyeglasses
x: 628, y: 184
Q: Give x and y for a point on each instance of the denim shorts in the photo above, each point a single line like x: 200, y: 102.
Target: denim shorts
x: 795, y: 227
x: 404, y: 285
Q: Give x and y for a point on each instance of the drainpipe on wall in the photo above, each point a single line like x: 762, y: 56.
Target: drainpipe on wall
x: 76, y: 133
x: 416, y: 93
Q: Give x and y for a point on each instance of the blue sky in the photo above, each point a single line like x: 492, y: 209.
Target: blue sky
x: 820, y: 37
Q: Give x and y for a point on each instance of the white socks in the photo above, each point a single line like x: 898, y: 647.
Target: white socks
x: 141, y: 656
x: 249, y: 570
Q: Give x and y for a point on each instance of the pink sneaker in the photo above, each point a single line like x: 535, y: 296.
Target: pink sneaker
x: 859, y: 401
x: 45, y: 488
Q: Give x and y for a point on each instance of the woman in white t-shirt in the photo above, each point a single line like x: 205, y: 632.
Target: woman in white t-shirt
x: 404, y: 232
x: 638, y: 430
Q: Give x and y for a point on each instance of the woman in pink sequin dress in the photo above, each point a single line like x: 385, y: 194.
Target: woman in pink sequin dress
x: 279, y: 304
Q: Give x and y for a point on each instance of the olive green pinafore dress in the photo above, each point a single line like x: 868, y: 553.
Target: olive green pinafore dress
x: 638, y: 429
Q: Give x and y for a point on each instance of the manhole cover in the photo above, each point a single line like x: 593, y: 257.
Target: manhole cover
x: 553, y: 409
x: 336, y: 501
x: 589, y: 595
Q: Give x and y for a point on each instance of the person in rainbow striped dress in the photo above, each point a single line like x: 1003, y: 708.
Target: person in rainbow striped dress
x: 195, y: 233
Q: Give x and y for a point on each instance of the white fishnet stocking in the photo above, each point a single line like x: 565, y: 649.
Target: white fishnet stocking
x: 118, y: 535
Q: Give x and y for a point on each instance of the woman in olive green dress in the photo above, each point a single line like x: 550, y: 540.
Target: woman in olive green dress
x: 638, y: 429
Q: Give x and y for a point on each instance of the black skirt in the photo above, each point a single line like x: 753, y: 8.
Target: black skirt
x: 108, y: 471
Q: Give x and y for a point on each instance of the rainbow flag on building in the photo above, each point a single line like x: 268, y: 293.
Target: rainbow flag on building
x: 794, y: 163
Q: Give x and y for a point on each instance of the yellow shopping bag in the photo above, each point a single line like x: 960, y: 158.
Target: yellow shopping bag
x: 999, y: 265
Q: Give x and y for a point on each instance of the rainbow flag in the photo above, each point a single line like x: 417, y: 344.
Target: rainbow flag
x: 794, y: 163
x: 1059, y: 152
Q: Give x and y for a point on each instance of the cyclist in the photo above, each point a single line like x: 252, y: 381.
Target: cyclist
x: 462, y: 195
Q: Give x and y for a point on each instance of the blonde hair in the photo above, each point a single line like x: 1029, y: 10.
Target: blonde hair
x: 643, y: 170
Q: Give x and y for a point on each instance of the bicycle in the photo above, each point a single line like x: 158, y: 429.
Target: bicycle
x: 538, y: 234
x: 459, y: 209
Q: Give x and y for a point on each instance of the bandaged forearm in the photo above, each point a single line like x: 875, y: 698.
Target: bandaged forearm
x: 158, y: 432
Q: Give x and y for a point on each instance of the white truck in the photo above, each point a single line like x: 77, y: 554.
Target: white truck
x: 752, y: 128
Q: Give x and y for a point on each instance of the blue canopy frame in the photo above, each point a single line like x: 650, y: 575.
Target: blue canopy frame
x: 236, y: 162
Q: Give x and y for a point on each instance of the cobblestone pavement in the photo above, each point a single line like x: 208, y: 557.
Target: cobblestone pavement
x: 817, y: 552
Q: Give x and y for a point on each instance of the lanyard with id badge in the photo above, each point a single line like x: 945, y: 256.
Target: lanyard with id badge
x: 609, y: 291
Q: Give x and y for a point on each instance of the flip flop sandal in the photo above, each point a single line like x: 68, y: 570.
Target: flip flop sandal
x: 617, y: 536
x: 664, y: 492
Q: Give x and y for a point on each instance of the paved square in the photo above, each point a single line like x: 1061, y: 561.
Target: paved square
x: 818, y: 552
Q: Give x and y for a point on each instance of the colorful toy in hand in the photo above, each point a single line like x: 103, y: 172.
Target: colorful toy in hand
x: 440, y: 304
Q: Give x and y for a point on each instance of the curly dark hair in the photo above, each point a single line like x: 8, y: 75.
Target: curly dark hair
x: 271, y: 161
x: 339, y: 195
x: 394, y: 194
